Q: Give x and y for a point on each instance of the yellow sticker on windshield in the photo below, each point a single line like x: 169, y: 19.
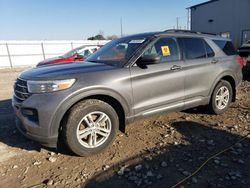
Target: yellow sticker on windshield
x: 165, y: 50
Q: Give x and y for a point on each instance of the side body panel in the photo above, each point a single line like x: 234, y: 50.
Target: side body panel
x: 157, y: 88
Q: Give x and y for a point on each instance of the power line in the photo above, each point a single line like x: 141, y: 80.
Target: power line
x: 177, y: 22
x: 121, y: 27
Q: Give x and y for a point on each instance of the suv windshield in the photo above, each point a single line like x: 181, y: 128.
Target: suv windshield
x: 118, y: 52
x: 70, y: 53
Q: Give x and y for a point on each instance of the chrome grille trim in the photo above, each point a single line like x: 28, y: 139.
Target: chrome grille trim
x: 21, y: 92
x: 18, y: 97
x: 21, y: 86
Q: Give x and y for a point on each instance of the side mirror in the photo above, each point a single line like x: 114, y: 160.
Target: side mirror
x: 149, y: 59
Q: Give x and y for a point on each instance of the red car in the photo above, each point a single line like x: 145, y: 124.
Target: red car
x: 76, y: 55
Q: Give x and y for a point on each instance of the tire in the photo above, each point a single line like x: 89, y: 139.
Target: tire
x: 216, y: 105
x: 91, y: 126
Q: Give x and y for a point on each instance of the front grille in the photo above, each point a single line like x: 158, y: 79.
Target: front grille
x: 21, y: 90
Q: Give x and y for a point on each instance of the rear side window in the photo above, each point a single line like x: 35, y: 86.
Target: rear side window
x: 194, y: 48
x: 226, y: 46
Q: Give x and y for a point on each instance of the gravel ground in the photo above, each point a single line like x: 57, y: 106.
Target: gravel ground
x: 156, y: 152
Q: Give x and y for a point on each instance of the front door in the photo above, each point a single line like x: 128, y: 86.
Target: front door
x: 159, y: 86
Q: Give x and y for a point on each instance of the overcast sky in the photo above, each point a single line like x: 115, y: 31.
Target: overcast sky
x: 80, y: 19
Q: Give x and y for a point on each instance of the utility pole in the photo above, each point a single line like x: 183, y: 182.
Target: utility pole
x: 121, y: 27
x: 188, y: 18
x: 177, y: 22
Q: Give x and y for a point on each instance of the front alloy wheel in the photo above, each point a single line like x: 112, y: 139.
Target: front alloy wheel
x: 91, y: 126
x: 94, y: 129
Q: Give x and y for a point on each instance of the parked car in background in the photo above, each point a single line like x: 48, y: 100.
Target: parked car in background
x: 76, y: 55
x: 133, y: 77
x: 244, y: 50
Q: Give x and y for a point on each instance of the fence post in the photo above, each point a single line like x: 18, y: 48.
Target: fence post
x: 72, y: 45
x: 43, y: 51
x: 8, y: 51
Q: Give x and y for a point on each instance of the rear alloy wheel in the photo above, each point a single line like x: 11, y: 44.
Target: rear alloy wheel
x: 91, y: 126
x: 221, y: 97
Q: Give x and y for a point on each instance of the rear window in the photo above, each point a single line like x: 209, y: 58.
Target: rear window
x: 226, y: 46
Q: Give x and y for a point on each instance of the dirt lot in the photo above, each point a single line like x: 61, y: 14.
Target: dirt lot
x: 157, y: 152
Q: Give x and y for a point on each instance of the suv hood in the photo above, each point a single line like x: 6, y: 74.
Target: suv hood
x: 63, y: 71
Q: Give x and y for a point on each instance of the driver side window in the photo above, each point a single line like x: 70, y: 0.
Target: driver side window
x: 85, y: 53
x: 166, y: 48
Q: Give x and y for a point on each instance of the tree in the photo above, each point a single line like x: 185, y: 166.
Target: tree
x: 97, y: 37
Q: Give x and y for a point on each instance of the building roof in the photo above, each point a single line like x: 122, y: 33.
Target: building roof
x: 207, y: 2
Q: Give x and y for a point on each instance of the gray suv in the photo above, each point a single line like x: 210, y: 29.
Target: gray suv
x: 85, y: 104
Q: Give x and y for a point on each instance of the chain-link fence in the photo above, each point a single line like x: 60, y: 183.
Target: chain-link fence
x: 29, y: 53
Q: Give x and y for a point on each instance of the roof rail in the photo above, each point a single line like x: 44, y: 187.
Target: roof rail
x: 188, y: 31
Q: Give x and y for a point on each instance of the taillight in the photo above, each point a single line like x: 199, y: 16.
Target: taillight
x: 240, y: 60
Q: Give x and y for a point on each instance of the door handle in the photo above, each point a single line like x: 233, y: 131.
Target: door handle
x: 175, y: 67
x: 214, y: 61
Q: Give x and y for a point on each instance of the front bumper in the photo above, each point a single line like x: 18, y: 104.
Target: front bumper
x: 45, y: 141
x: 40, y: 128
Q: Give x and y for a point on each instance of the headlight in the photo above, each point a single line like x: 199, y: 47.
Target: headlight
x: 49, y: 86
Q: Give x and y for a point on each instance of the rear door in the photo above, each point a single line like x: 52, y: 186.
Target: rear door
x: 159, y: 86
x: 200, y: 70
